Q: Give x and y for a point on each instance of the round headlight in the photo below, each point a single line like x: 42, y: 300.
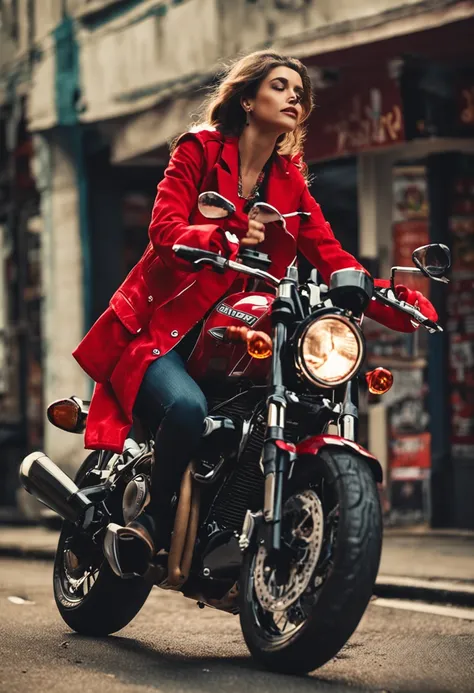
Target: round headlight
x: 330, y: 351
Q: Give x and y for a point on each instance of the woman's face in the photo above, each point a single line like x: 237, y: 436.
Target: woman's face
x: 277, y: 104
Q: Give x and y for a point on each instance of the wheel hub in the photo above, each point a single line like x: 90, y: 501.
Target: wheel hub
x: 303, y: 523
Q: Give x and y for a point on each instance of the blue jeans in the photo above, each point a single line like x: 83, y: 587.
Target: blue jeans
x: 171, y: 403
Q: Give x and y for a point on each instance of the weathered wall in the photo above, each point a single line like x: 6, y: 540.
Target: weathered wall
x: 135, y: 54
x: 140, y: 56
x: 63, y: 307
x: 8, y: 46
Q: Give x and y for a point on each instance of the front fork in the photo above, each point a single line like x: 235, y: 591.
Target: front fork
x: 277, y: 453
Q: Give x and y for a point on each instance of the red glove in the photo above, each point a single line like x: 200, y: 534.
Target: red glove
x: 416, y: 299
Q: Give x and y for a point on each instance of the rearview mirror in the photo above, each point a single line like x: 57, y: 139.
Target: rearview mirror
x: 213, y: 206
x: 433, y: 260
x: 265, y: 213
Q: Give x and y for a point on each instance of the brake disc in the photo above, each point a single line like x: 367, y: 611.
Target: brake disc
x: 307, y: 532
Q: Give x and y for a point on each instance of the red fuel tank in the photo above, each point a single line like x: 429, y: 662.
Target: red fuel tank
x: 215, y: 358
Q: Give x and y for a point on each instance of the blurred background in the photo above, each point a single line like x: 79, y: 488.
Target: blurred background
x: 91, y: 93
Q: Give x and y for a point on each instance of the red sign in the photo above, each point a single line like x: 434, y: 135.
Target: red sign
x: 355, y: 116
x: 410, y: 452
x: 408, y: 235
x: 410, y: 227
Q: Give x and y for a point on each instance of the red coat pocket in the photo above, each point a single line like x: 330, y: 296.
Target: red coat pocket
x: 126, y: 312
x: 101, y: 349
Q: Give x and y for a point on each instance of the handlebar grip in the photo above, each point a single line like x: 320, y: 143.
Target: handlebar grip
x: 200, y: 258
x: 187, y: 253
x: 431, y: 325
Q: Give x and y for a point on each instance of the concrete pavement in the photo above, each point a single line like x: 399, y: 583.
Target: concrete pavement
x: 174, y: 647
x: 416, y: 562
x: 419, y: 563
x: 28, y: 542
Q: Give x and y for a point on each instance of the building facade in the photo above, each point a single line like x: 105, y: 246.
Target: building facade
x: 93, y: 90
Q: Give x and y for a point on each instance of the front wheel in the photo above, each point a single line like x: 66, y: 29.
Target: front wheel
x: 91, y: 599
x: 300, y: 609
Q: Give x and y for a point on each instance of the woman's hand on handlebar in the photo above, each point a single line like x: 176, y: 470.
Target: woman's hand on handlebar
x: 417, y: 300
x: 255, y: 234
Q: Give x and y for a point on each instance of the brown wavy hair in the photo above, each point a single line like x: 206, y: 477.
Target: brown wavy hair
x: 223, y: 111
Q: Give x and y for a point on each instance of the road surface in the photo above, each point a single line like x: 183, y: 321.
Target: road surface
x: 174, y: 647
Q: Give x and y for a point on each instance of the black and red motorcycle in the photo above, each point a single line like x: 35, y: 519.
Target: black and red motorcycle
x: 278, y: 516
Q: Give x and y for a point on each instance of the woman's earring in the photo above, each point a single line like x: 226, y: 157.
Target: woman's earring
x: 247, y: 116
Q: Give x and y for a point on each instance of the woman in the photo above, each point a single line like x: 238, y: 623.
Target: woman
x: 248, y: 147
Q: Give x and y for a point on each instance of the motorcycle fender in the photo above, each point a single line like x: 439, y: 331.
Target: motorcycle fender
x: 313, y: 445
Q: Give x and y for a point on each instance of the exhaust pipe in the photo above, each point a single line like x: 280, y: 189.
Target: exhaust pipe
x: 50, y: 485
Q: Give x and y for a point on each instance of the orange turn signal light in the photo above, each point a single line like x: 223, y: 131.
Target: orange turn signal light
x: 379, y: 381
x: 259, y: 344
x: 64, y: 414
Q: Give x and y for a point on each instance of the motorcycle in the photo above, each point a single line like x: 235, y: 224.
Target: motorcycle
x: 278, y: 516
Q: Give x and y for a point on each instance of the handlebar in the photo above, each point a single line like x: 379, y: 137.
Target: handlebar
x: 220, y: 263
x: 200, y: 258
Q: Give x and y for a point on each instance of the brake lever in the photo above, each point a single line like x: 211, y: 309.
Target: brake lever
x: 219, y: 263
x: 198, y: 257
x: 419, y: 318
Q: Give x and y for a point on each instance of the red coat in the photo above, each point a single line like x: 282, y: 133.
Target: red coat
x: 161, y: 299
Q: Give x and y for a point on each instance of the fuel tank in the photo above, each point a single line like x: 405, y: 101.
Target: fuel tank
x: 214, y: 358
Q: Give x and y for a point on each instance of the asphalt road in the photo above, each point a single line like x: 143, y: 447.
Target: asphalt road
x: 174, y: 647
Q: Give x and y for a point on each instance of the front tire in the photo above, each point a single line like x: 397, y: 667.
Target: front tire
x: 327, y: 613
x: 103, y: 603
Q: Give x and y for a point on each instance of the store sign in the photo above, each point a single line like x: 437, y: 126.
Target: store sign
x: 410, y: 456
x: 350, y: 119
x: 410, y: 222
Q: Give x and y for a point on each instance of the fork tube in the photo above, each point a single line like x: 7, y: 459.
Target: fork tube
x: 275, y: 458
x: 274, y: 463
x: 349, y: 419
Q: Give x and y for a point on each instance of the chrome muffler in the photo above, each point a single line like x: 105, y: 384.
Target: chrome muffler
x: 50, y: 485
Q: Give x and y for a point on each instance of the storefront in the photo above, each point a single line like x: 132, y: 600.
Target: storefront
x: 409, y: 126
x: 387, y: 147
